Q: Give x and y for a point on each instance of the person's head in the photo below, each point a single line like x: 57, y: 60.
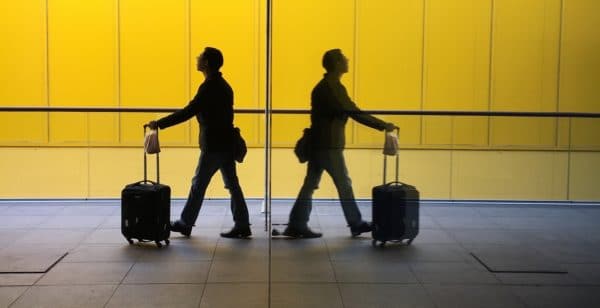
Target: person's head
x: 335, y: 62
x: 210, y: 60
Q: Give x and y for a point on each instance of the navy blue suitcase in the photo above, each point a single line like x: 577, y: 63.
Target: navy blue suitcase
x: 395, y: 210
x: 146, y: 210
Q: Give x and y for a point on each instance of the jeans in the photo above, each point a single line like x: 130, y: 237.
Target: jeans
x: 333, y: 162
x: 208, y: 164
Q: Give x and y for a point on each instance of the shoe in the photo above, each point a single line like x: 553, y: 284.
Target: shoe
x: 181, y: 227
x: 302, y: 232
x: 238, y: 232
x: 361, y: 227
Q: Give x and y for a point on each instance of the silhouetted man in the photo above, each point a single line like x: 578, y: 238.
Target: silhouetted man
x: 330, y: 108
x: 213, y: 108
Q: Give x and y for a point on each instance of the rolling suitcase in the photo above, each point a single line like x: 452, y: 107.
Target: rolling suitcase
x: 146, y: 209
x: 395, y: 210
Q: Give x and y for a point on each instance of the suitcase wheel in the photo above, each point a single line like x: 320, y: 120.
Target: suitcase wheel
x: 130, y: 241
x: 158, y: 244
x: 167, y: 242
x: 410, y: 241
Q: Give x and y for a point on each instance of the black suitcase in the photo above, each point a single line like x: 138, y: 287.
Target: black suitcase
x: 146, y: 209
x: 395, y: 210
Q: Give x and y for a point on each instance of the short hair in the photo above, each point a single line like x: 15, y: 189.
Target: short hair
x: 214, y: 57
x: 330, y: 58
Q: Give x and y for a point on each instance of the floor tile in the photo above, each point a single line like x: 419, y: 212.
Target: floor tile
x: 9, y: 294
x: 385, y: 296
x: 105, y: 236
x: 434, y: 236
x: 247, y: 295
x: 66, y: 296
x: 22, y: 222
x: 10, y: 236
x: 452, y: 273
x: 241, y: 249
x: 473, y: 296
x: 450, y: 211
x: 585, y: 273
x: 333, y: 271
x: 537, y: 279
x: 86, y: 273
x: 559, y: 297
x: 38, y: 261
x: 178, y: 250
x: 157, y: 295
x: 19, y: 279
x: 373, y: 272
x: 252, y: 270
x: 465, y: 222
x: 73, y: 236
x: 503, y: 258
x: 33, y: 210
x: 194, y: 272
x: 299, y: 249
x: 89, y: 210
x: 314, y: 295
x: 73, y: 222
x: 299, y: 270
x: 491, y: 236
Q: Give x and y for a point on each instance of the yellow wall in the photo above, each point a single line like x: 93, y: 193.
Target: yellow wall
x: 439, y: 174
x: 497, y: 55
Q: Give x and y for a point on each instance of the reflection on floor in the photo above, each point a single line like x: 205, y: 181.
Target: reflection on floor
x: 437, y: 270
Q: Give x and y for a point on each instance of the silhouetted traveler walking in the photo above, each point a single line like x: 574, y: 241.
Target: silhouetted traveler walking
x: 213, y: 108
x: 330, y: 108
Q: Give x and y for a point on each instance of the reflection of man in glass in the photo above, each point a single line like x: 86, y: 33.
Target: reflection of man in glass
x: 331, y: 107
x: 213, y: 108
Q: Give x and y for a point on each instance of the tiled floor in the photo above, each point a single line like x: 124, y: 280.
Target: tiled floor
x: 437, y: 270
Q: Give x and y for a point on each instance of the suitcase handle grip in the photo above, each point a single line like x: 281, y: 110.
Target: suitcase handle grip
x: 395, y: 183
x: 146, y: 181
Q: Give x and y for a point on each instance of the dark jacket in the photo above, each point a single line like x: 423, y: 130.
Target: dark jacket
x: 330, y: 108
x: 213, y: 108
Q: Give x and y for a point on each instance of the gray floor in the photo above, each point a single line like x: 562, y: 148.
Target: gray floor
x: 437, y: 270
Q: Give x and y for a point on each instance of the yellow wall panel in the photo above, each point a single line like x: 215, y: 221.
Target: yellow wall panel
x: 585, y: 134
x: 389, y: 61
x: 429, y: 171
x: 237, y: 31
x: 519, y: 132
x: 23, y: 70
x: 299, y: 42
x: 82, y: 61
x: 302, y: 32
x: 525, y: 70
x: 580, y: 58
x: 501, y: 175
x: 456, y: 69
x: 154, y: 58
x: 583, y: 176
x: 43, y: 173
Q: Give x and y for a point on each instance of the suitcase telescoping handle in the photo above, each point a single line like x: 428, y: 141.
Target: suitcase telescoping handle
x: 397, y: 161
x: 146, y: 164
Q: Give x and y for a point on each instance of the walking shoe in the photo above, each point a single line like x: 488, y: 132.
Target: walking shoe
x: 181, y: 227
x: 238, y: 232
x: 361, y: 227
x: 301, y: 232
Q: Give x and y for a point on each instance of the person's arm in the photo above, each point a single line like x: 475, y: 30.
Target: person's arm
x: 350, y: 108
x: 178, y: 116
